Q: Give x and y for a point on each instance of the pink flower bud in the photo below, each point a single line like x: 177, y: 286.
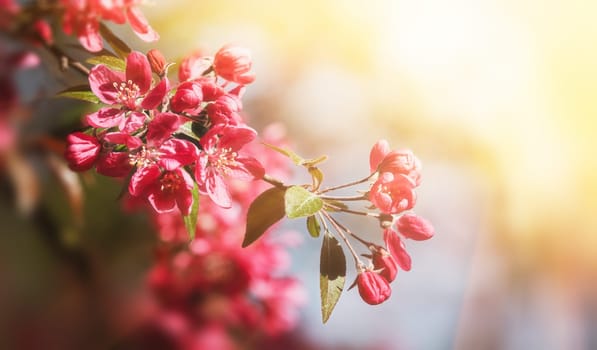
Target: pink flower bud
x: 157, y: 61
x: 397, y: 249
x: 383, y: 261
x: 81, y: 151
x: 415, y: 227
x: 373, y: 288
x: 234, y: 63
x: 188, y: 98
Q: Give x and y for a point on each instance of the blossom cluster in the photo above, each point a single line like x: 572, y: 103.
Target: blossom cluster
x: 83, y: 18
x: 393, y: 194
x: 216, y: 288
x: 165, y: 137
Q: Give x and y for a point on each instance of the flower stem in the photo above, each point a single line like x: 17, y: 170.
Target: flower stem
x: 271, y: 180
x: 350, y: 211
x: 358, y: 263
x: 347, y: 184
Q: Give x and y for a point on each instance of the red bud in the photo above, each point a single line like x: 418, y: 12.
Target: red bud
x: 415, y: 227
x: 373, y: 288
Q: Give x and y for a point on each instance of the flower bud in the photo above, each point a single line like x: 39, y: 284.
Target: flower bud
x: 234, y: 63
x: 157, y: 61
x: 383, y: 261
x: 397, y: 249
x: 373, y: 288
x: 415, y: 227
x: 188, y: 98
x: 81, y: 151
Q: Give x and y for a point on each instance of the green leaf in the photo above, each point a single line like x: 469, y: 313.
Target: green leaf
x: 313, y: 226
x: 266, y: 210
x: 296, y: 159
x: 121, y: 48
x: 190, y: 221
x: 112, y: 62
x: 314, y: 161
x: 299, y: 202
x: 332, y: 269
x: 79, y: 92
x: 317, y: 176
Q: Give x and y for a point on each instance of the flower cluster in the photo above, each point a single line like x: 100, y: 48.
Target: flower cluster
x: 216, y: 294
x: 168, y: 138
x: 398, y: 173
x: 394, y: 175
x: 83, y: 18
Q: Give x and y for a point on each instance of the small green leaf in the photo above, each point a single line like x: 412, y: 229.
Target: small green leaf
x: 314, y: 161
x: 317, y: 176
x: 299, y: 202
x: 332, y: 268
x: 266, y: 210
x: 313, y: 226
x: 190, y: 221
x: 121, y: 48
x: 296, y: 159
x: 79, y: 92
x: 112, y: 62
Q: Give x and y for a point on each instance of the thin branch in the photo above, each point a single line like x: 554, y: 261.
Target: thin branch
x: 347, y: 184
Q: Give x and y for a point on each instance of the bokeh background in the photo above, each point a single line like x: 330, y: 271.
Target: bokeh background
x: 496, y: 97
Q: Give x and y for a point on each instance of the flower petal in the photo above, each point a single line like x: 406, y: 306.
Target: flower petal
x: 143, y: 179
x: 105, y: 118
x: 156, y: 95
x: 101, y: 81
x: 140, y: 25
x: 138, y: 71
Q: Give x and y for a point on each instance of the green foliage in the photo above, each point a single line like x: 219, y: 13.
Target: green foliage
x: 266, y: 210
x: 190, y: 221
x: 299, y: 202
x: 313, y: 226
x: 111, y: 62
x: 79, y: 92
x: 332, y: 268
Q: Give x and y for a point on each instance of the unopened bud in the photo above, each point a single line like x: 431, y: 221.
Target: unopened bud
x: 415, y: 227
x: 157, y: 62
x: 373, y: 288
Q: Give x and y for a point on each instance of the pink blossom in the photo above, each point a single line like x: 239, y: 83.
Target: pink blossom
x: 82, y: 151
x: 219, y: 159
x: 130, y: 90
x: 83, y: 17
x: 401, y: 161
x: 234, y: 64
x: 392, y: 194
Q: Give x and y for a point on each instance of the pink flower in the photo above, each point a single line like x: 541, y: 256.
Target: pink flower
x: 392, y: 194
x: 402, y: 161
x: 415, y: 227
x: 397, y: 249
x: 193, y: 66
x: 165, y: 190
x: 130, y: 90
x: 159, y: 176
x: 82, y: 151
x: 234, y: 63
x: 187, y: 99
x: 373, y: 288
x: 220, y: 159
x: 83, y: 17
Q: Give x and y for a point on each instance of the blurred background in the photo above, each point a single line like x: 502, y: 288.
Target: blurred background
x: 498, y: 100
